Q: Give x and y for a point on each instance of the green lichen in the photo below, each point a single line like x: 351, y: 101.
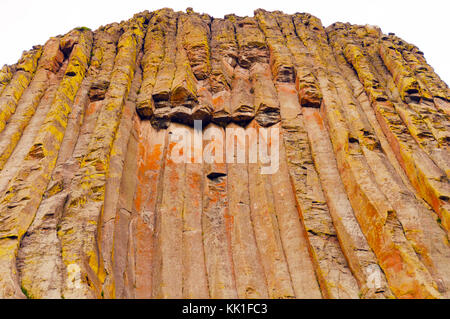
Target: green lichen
x: 83, y: 29
x: 25, y: 292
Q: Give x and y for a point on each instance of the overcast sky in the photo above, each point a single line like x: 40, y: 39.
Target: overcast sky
x: 423, y: 23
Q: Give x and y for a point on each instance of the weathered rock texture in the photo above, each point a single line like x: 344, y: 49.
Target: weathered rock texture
x: 93, y: 206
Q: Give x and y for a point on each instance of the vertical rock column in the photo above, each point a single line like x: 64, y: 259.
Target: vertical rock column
x: 250, y: 277
x: 223, y: 60
x: 121, y: 181
x: 266, y: 229
x: 254, y: 55
x: 151, y: 154
x: 166, y: 71
x: 309, y: 93
x: 167, y: 276
x: 154, y: 52
x: 216, y: 219
x: 195, y: 280
x: 183, y: 93
x: 50, y: 62
x: 426, y: 124
x: 374, y: 213
x: 196, y: 42
x: 327, y: 216
x: 26, y: 67
x: 426, y: 177
x: 242, y: 99
x: 79, y: 225
x: 39, y: 253
x: 24, y: 192
x: 295, y: 140
x: 418, y: 220
x: 425, y: 75
x: 6, y: 74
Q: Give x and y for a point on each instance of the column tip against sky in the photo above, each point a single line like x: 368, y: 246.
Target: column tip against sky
x: 422, y: 23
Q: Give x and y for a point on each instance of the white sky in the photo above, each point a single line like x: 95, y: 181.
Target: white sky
x: 424, y: 23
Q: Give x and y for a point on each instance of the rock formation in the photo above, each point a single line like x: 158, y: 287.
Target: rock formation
x: 92, y: 205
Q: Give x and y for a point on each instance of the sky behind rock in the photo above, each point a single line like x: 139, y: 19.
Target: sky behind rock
x: 423, y: 23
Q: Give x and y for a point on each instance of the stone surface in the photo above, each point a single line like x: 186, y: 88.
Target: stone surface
x: 93, y: 203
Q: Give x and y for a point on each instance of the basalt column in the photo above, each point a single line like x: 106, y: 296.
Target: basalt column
x: 180, y: 155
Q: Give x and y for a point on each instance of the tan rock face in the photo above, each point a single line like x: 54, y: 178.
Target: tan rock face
x: 95, y: 204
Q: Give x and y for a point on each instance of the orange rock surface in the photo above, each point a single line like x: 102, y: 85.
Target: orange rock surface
x: 93, y: 204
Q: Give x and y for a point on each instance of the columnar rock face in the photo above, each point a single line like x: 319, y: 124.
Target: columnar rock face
x: 96, y: 203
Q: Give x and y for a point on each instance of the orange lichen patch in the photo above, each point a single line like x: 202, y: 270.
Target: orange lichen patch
x: 218, y: 100
x: 92, y: 108
x: 149, y: 171
x: 168, y: 271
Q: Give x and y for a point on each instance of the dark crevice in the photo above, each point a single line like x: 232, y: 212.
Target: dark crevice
x: 214, y: 176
